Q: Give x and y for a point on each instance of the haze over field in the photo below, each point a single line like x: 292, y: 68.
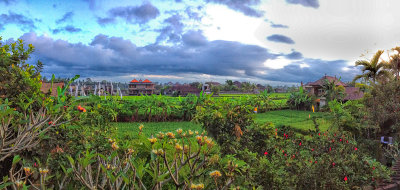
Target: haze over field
x: 264, y: 41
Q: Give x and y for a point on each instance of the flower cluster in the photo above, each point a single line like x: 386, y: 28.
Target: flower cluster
x: 197, y: 186
x: 215, y: 174
x: 81, y: 109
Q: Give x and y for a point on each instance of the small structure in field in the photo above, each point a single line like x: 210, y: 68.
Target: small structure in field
x: 145, y: 87
x: 45, y: 88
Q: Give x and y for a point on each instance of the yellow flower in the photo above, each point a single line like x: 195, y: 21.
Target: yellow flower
x: 199, y: 139
x: 114, y: 146
x: 130, y: 151
x: 186, y: 148
x: 171, y: 135
x: 152, y: 140
x: 190, y: 132
x: 210, y: 143
x: 178, y: 147
x: 215, y: 174
x: 179, y: 131
x: 140, y: 127
x: 43, y: 171
x: 19, y: 183
x: 196, y: 132
x: 28, y: 171
x: 160, y: 135
x: 158, y: 152
x: 197, y: 186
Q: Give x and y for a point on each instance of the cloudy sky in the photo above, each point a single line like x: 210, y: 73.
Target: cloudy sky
x: 264, y: 41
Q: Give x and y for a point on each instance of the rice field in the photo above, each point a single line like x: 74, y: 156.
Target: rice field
x: 297, y: 119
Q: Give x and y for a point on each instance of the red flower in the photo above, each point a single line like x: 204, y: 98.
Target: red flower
x: 315, y: 161
x: 355, y: 148
x: 340, y: 140
x: 373, y: 168
x: 330, y: 148
x: 347, y: 141
x: 50, y: 122
x: 312, y: 149
x: 333, y: 164
x: 335, y: 134
x: 265, y: 153
x: 300, y: 144
x: 283, y: 151
x: 345, y: 178
x: 319, y: 134
x: 285, y: 155
x: 35, y: 165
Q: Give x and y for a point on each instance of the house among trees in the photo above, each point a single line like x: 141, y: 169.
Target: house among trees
x: 145, y: 87
x: 316, y: 88
x: 45, y: 88
x: 185, y: 89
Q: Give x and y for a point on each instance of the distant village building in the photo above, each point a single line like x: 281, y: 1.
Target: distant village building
x: 316, y: 88
x: 145, y: 87
x: 213, y: 83
x: 46, y: 86
x: 185, y: 89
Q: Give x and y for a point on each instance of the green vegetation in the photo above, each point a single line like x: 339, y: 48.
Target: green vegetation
x: 294, y: 118
x: 80, y: 143
x: 153, y: 128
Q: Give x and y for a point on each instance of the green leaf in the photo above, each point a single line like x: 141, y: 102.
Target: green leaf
x: 16, y: 159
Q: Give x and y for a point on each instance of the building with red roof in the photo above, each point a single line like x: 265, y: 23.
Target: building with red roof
x: 316, y: 88
x: 145, y: 87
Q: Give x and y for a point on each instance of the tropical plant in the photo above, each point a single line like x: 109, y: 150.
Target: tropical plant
x: 372, y: 69
x: 300, y: 100
x: 332, y: 90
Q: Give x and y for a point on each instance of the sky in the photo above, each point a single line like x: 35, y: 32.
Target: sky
x: 276, y: 42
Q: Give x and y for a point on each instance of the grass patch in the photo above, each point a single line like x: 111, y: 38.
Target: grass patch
x: 299, y: 120
x: 296, y: 119
x: 152, y: 128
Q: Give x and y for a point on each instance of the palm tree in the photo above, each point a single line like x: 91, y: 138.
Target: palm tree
x: 394, y: 62
x: 372, y: 69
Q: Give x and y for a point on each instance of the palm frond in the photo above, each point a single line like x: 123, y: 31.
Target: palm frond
x: 375, y: 58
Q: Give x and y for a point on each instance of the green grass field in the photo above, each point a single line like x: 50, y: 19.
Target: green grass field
x: 297, y: 119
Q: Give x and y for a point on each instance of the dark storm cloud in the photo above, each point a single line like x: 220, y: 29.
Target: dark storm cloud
x: 20, y: 20
x: 306, y: 3
x: 194, y: 38
x: 317, y: 68
x: 280, y: 39
x: 114, y: 56
x: 67, y: 17
x: 243, y: 6
x: 172, y: 32
x: 69, y: 28
x: 131, y: 14
x: 294, y: 55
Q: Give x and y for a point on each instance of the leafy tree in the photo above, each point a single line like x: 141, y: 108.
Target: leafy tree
x: 372, y: 69
x: 17, y: 78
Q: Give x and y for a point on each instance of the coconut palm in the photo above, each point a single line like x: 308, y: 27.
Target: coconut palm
x: 372, y: 69
x: 394, y: 62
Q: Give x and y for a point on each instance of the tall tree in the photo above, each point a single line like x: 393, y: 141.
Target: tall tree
x: 372, y: 69
x: 394, y: 62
